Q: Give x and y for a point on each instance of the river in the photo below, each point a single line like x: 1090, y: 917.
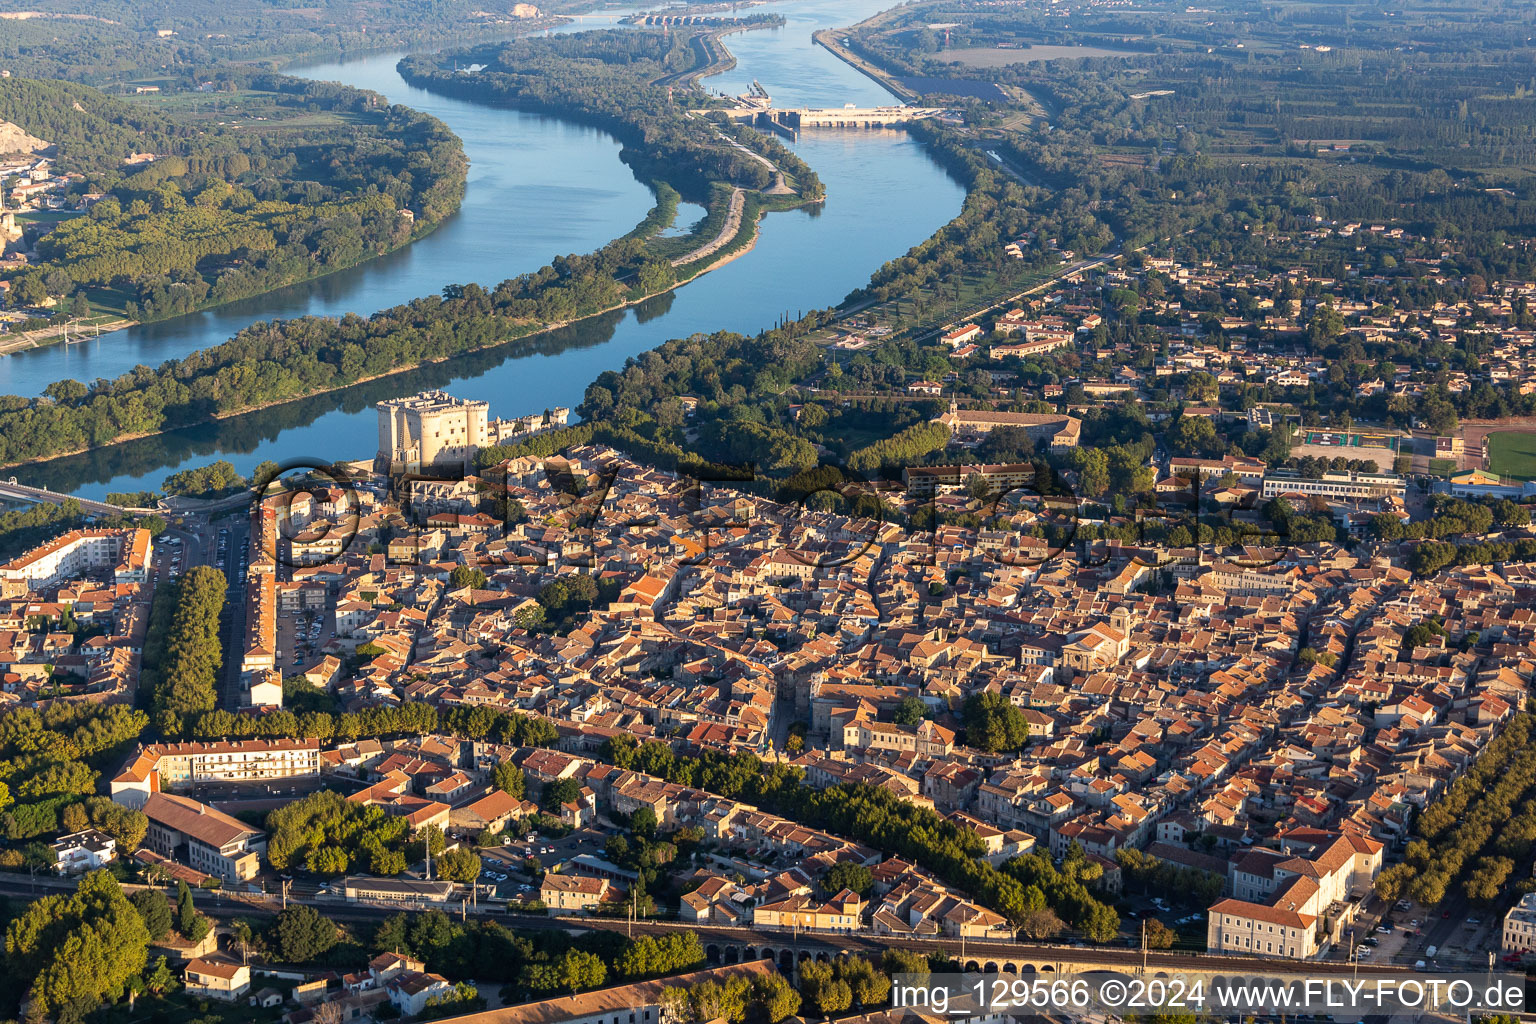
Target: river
x: 539, y: 187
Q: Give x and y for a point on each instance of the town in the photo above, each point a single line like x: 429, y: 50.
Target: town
x: 1265, y: 724
x: 988, y: 497
x: 1214, y: 712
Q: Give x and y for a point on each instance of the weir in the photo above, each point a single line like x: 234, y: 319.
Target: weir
x: 758, y: 111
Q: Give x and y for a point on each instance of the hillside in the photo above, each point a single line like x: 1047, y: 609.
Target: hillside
x: 90, y: 129
x: 14, y: 140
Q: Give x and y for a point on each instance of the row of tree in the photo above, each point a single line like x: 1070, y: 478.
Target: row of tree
x: 406, y: 719
x: 1477, y: 831
x: 183, y: 655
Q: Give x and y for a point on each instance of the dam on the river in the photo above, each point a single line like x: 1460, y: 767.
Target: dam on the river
x: 756, y: 108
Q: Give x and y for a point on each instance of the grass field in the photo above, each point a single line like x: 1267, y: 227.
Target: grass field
x: 1442, y: 467
x: 46, y: 216
x: 995, y: 57
x: 1513, y: 453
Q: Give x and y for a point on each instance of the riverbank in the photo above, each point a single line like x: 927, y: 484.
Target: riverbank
x: 539, y: 185
x: 827, y: 37
x: 28, y: 340
x: 745, y: 237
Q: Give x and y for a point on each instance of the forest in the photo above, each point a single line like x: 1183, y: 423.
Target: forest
x: 52, y: 759
x: 221, y: 212
x: 607, y: 79
x: 103, y: 41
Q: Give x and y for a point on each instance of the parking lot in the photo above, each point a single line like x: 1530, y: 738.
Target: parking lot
x: 301, y: 635
x: 502, y: 866
x: 1409, y: 933
x: 1188, y: 922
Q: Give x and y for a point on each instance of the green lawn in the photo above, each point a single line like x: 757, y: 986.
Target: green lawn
x: 1513, y: 453
x: 46, y: 216
x: 1442, y: 467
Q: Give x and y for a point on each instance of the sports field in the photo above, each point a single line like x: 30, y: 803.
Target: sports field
x: 1334, y: 439
x: 1513, y: 453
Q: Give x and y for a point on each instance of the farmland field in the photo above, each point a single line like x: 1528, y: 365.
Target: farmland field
x: 996, y: 57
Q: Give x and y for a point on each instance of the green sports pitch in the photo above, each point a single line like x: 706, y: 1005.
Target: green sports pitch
x: 1512, y: 453
x: 1339, y: 439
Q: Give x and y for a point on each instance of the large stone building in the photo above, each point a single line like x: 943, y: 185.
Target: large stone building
x: 925, y: 481
x: 163, y: 766
x: 1057, y: 431
x: 432, y: 430
x: 1287, y: 901
x: 1336, y: 485
x: 203, y: 837
x: 435, y: 430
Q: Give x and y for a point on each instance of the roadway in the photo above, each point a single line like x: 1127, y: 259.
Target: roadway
x: 14, y: 491
x: 234, y: 547
x: 728, y: 230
